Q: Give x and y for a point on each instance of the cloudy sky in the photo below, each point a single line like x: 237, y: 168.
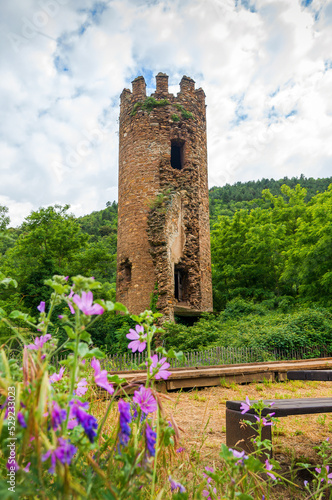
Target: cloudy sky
x: 265, y: 66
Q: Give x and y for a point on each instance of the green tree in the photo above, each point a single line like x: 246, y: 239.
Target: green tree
x: 49, y: 240
x: 309, y: 259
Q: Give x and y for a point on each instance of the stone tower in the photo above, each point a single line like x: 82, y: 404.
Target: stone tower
x: 163, y: 226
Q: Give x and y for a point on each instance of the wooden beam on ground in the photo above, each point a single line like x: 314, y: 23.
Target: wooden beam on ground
x: 240, y: 373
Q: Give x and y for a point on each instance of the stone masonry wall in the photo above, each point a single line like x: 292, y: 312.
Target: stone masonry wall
x: 163, y: 211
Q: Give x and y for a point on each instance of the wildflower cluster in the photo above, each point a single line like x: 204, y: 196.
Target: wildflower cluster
x: 58, y: 433
x: 64, y: 448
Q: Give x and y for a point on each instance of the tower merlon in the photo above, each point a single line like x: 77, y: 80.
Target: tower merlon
x: 187, y: 85
x: 161, y: 84
x: 139, y: 88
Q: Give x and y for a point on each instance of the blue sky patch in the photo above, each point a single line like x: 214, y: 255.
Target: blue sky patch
x: 61, y: 65
x: 306, y: 3
x: 328, y: 64
x: 247, y: 4
x: 240, y: 113
x: 292, y: 113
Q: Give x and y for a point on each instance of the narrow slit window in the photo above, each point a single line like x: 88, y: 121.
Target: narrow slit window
x: 177, y: 155
x: 125, y: 271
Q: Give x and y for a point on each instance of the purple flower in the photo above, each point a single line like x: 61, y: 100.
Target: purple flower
x: 150, y: 436
x: 21, y: 420
x: 206, y: 493
x: 101, y: 376
x: 88, y: 422
x: 58, y: 415
x: 64, y: 453
x: 269, y: 467
x: 305, y: 483
x: 238, y: 454
x: 72, y: 310
x: 12, y: 463
x: 264, y: 421
x: 57, y: 376
x: 66, y: 278
x: 84, y: 303
x: 125, y: 419
x: 145, y: 400
x: 138, y: 339
x: 175, y: 485
x: 39, y: 342
x: 329, y: 476
x: 81, y: 389
x: 27, y: 467
x: 161, y: 366
x: 41, y: 307
x: 180, y: 450
x: 245, y: 406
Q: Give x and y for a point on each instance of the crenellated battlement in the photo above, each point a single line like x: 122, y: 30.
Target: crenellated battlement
x: 138, y: 92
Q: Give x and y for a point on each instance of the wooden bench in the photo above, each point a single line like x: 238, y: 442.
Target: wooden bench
x: 321, y: 375
x: 239, y: 435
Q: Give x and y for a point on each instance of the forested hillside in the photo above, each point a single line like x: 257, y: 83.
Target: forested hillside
x: 271, y: 245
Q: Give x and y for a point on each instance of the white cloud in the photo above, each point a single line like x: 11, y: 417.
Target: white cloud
x: 266, y: 70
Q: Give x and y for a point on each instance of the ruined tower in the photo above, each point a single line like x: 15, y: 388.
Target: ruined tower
x: 163, y: 224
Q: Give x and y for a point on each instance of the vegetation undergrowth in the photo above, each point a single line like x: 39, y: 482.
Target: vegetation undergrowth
x: 53, y: 446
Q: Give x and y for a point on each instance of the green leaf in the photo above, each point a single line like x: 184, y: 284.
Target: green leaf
x: 71, y: 346
x: 3, y: 313
x: 94, y: 353
x: 163, y: 352
x: 19, y: 315
x: 86, y: 336
x: 8, y: 281
x: 120, y: 307
x: 83, y: 349
x: 244, y: 496
x: 115, y: 379
x: 68, y: 362
x: 70, y: 332
x: 109, y: 305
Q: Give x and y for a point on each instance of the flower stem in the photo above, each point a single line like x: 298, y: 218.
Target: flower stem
x: 156, y: 455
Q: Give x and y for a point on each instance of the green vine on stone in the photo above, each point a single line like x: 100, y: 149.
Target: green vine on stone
x: 154, y: 298
x: 186, y: 115
x: 148, y: 105
x: 175, y: 118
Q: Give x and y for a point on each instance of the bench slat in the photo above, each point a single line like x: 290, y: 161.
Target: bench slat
x: 322, y: 375
x: 284, y: 407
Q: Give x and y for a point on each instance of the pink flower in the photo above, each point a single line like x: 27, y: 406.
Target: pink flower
x: 161, y: 365
x: 145, y: 400
x: 269, y: 467
x: 84, y: 303
x: 41, y: 307
x: 138, y: 339
x: 101, y: 376
x: 39, y: 342
x: 264, y: 421
x: 72, y: 310
x: 27, y: 467
x: 81, y: 389
x: 245, y: 406
x: 57, y: 376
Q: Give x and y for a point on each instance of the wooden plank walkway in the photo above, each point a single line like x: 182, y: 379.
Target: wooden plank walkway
x: 240, y: 373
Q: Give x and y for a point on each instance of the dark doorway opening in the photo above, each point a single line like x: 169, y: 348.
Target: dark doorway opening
x: 179, y: 285
x: 177, y: 154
